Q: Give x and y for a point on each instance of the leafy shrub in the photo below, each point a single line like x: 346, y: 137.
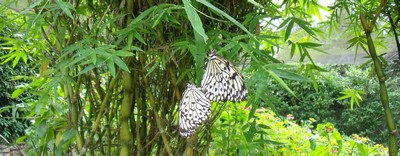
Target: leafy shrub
x: 366, y: 119
x: 266, y: 134
x: 11, y: 109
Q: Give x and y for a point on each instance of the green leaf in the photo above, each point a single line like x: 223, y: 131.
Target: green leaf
x: 288, y: 30
x: 94, y: 58
x: 123, y: 53
x: 111, y: 67
x: 305, y: 25
x: 313, y: 141
x: 234, y: 21
x: 18, y: 92
x: 132, y: 26
x: 310, y: 44
x: 16, y: 60
x: 8, y: 56
x: 314, y: 81
x: 41, y: 129
x: 292, y: 49
x: 82, y: 54
x: 65, y: 6
x: 353, y: 94
x: 284, y: 22
x: 287, y: 74
x: 281, y: 82
x: 86, y: 69
x: 158, y: 19
x: 120, y: 63
x: 30, y: 7
x: 68, y: 134
x: 139, y: 37
x: 251, y: 132
x: 194, y: 19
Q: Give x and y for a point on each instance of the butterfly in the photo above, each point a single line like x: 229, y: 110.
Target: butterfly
x: 221, y: 80
x: 194, y: 109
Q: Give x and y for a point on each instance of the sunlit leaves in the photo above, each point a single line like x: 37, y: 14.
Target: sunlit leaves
x: 131, y: 28
x: 230, y: 18
x: 311, y: 70
x: 89, y: 58
x: 303, y: 49
x: 16, y: 50
x: 358, y: 41
x: 65, y: 7
x: 289, y: 23
x: 354, y: 95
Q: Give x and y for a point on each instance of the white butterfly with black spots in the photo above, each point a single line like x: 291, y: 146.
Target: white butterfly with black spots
x: 222, y: 81
x: 194, y: 109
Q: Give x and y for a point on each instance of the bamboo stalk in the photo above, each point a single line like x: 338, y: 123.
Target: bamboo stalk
x: 155, y: 113
x: 125, y: 135
x: 100, y: 114
x: 393, y: 148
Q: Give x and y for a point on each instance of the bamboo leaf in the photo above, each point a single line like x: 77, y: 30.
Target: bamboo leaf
x: 288, y: 30
x: 18, y: 92
x: 194, y: 20
x: 68, y: 134
x: 139, y: 37
x: 82, y: 54
x: 86, y: 69
x: 124, y: 53
x: 65, y: 6
x: 94, y: 57
x: 159, y: 18
x: 111, y: 67
x: 281, y: 82
x: 314, y: 81
x: 292, y: 50
x: 120, y: 63
x: 305, y: 26
x: 16, y: 60
x: 284, y: 73
x: 234, y: 21
x: 284, y: 22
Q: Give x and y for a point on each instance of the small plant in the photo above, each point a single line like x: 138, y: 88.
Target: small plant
x: 353, y: 94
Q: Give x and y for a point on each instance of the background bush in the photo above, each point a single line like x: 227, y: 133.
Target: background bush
x: 12, y: 125
x: 266, y: 134
x: 365, y: 120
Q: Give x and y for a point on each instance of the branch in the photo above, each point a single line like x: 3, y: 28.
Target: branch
x: 383, y: 3
x: 364, y: 24
x: 105, y: 103
x: 368, y: 28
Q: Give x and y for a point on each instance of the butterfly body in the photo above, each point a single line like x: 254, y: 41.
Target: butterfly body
x: 221, y: 80
x: 194, y: 109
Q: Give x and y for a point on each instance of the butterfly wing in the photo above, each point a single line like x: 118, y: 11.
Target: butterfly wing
x: 221, y: 80
x: 194, y: 109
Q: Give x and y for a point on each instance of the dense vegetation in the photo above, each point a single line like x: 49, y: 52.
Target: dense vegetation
x: 111, y: 75
x: 365, y: 119
x: 12, y: 109
x: 233, y: 134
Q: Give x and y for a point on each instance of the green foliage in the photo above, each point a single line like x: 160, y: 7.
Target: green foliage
x: 326, y: 106
x: 12, y: 109
x: 82, y: 48
x: 353, y: 95
x: 265, y: 134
